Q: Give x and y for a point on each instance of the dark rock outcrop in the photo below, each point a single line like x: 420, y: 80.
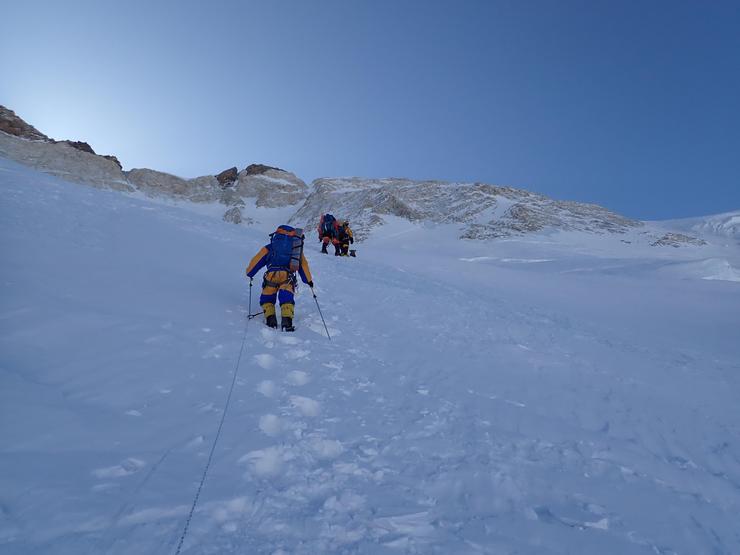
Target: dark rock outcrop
x: 11, y: 124
x: 678, y: 239
x: 79, y: 145
x: 228, y: 177
x: 113, y: 159
x: 259, y: 169
x: 85, y: 147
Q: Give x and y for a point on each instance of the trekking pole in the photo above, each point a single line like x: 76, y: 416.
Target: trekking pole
x: 249, y: 317
x: 320, y: 314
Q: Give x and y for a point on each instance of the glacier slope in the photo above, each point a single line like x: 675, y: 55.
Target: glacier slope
x: 548, y: 395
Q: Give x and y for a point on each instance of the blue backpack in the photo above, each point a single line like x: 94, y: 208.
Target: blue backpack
x: 286, y: 249
x: 327, y: 224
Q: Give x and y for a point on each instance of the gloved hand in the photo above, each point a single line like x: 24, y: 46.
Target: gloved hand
x: 310, y: 284
x: 351, y: 240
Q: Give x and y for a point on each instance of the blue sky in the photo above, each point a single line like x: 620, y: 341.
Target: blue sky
x: 632, y: 105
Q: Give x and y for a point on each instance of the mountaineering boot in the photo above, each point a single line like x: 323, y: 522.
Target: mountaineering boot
x: 352, y: 252
x: 323, y: 249
x: 287, y: 324
x: 271, y: 321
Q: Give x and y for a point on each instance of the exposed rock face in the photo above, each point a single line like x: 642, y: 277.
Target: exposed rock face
x: 160, y: 184
x: 65, y: 161
x: 482, y: 211
x: 79, y: 145
x: 11, y: 124
x: 84, y: 147
x: 677, y: 239
x: 228, y: 177
x: 77, y: 161
x: 113, y: 159
x: 271, y: 188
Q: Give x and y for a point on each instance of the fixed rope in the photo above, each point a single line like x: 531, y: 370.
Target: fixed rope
x: 218, y: 435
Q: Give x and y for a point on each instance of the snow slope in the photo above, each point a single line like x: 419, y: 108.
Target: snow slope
x: 562, y: 393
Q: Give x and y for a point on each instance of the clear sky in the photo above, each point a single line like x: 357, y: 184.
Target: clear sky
x: 634, y: 105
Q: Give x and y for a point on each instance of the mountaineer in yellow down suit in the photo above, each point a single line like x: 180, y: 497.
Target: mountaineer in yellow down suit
x: 283, y: 258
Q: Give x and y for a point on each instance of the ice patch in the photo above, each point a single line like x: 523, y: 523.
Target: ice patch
x: 127, y: 467
x: 307, y: 407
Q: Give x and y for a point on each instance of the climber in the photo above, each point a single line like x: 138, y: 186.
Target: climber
x: 345, y: 237
x: 283, y: 257
x: 327, y: 231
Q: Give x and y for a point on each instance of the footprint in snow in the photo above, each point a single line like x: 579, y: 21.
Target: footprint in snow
x: 268, y: 337
x: 265, y: 360
x: 270, y: 424
x: 265, y: 462
x: 195, y: 442
x: 214, y: 352
x: 289, y: 340
x: 295, y: 354
x: 305, y: 405
x: 267, y: 388
x: 125, y: 468
x: 325, y: 449
x: 297, y: 378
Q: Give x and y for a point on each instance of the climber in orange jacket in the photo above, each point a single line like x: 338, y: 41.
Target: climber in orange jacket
x: 283, y: 258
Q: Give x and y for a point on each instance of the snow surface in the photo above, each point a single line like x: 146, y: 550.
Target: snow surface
x: 555, y: 394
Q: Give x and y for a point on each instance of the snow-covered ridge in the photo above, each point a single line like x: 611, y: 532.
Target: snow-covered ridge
x: 727, y: 225
x: 258, y: 193
x: 482, y: 211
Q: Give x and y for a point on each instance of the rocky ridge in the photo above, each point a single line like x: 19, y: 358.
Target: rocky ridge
x: 477, y: 211
x: 264, y: 186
